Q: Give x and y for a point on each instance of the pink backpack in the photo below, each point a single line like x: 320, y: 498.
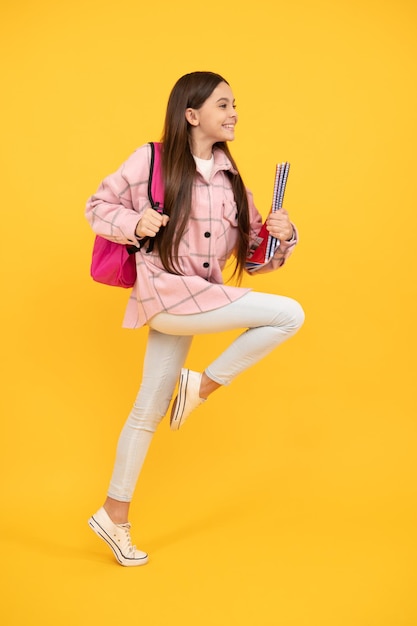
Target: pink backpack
x: 114, y: 264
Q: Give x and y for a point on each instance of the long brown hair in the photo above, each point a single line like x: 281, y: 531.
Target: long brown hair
x: 178, y: 165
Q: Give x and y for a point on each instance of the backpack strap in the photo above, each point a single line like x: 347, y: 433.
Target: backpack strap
x: 155, y: 184
x: 155, y: 192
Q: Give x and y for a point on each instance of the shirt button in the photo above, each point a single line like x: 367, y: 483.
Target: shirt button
x: 207, y: 234
x: 206, y: 264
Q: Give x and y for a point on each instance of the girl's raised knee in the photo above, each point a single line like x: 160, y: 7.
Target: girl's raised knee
x: 298, y: 315
x: 293, y: 316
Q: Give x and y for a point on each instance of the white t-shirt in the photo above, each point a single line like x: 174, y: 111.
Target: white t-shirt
x: 205, y: 166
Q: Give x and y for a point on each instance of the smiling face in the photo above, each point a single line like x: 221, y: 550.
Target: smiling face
x: 214, y: 121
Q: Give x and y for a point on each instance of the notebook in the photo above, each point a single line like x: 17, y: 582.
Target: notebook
x: 266, y: 244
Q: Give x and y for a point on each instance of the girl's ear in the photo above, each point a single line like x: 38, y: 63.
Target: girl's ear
x: 191, y: 117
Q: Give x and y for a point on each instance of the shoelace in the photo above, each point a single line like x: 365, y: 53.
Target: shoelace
x: 126, y: 527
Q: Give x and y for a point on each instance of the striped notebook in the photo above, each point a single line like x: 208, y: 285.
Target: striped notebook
x: 267, y: 244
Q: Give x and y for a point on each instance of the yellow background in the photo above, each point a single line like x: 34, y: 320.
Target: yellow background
x: 289, y: 499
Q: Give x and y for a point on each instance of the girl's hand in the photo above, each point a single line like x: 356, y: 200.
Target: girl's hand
x: 150, y: 223
x: 278, y: 225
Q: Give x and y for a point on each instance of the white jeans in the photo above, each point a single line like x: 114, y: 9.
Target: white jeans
x: 269, y: 320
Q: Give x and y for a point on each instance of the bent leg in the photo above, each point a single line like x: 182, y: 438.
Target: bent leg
x: 269, y: 319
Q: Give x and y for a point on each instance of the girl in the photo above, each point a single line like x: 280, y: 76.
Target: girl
x: 208, y: 216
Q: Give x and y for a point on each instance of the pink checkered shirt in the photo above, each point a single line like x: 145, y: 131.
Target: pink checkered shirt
x: 210, y: 239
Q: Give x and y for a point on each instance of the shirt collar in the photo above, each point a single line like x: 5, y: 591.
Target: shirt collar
x: 222, y: 162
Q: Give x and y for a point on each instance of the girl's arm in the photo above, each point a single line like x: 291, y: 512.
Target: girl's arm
x: 114, y: 211
x: 285, y: 248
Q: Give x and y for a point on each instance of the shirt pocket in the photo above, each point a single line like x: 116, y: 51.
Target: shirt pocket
x: 230, y: 214
x: 230, y: 232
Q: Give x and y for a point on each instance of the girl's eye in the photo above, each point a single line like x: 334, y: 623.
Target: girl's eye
x: 223, y: 106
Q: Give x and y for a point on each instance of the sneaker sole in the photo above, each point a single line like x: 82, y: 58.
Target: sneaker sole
x: 100, y: 532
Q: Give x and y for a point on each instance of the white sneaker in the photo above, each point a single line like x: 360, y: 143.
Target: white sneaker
x: 117, y: 536
x: 188, y: 398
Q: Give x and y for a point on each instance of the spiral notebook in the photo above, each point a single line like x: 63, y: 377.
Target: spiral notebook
x: 266, y: 243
